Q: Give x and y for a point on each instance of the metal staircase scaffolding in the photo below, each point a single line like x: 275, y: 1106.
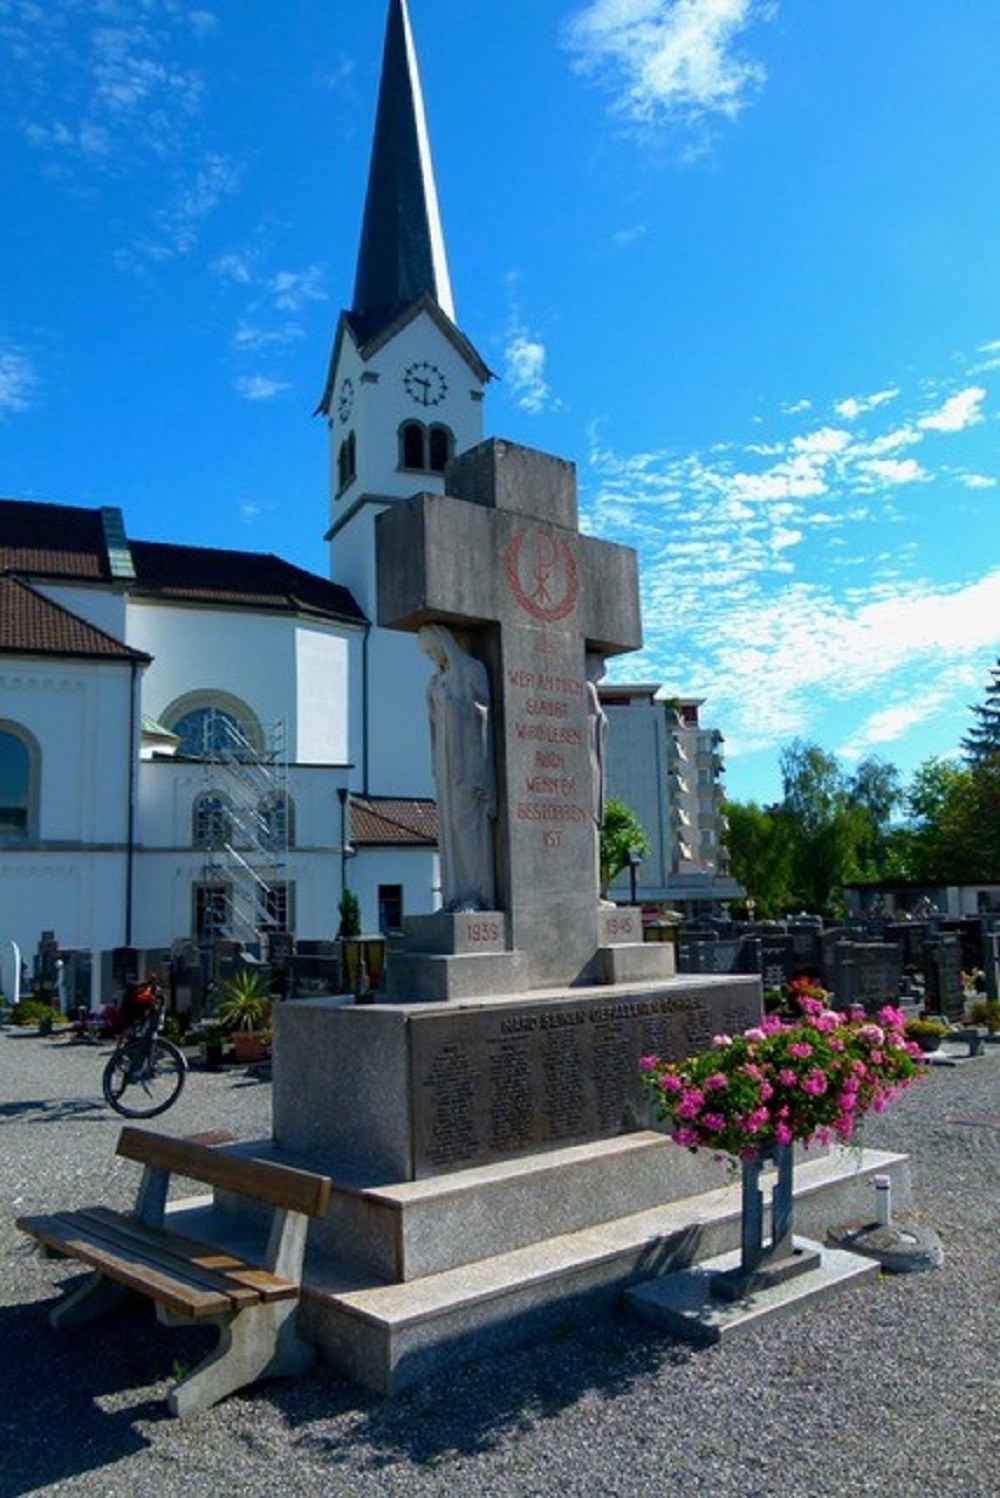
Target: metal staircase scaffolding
x: 246, y: 851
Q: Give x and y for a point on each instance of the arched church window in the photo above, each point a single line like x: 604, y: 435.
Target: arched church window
x: 19, y: 766
x: 214, y: 726
x: 442, y: 444
x: 276, y: 822
x: 412, y: 446
x: 212, y: 825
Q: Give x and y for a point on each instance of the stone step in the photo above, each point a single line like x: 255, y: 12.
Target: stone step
x: 408, y: 1230
x: 389, y: 1336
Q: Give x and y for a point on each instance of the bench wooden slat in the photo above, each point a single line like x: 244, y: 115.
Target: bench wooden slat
x: 194, y: 1257
x: 66, y: 1235
x: 266, y: 1180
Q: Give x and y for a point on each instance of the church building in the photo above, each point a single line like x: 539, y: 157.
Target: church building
x: 195, y: 743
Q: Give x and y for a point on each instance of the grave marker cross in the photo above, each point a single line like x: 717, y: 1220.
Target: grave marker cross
x: 499, y: 559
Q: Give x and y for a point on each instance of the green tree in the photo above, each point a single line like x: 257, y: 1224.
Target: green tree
x: 760, y: 849
x: 982, y: 741
x: 621, y: 834
x: 874, y: 792
x: 825, y: 827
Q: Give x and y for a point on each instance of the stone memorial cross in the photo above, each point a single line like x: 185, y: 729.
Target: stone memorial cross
x: 500, y: 562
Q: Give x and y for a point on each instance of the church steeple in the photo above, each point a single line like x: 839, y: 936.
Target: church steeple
x: 402, y: 253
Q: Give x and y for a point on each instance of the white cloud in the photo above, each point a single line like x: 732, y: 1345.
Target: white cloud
x: 892, y: 470
x: 259, y: 387
x: 888, y: 724
x: 670, y: 58
x: 773, y: 586
x: 18, y: 381
x: 958, y: 412
x: 524, y: 369
x: 291, y: 290
x: 856, y: 405
x: 624, y: 238
x: 237, y: 266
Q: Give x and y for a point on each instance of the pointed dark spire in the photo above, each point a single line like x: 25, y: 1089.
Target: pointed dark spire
x: 402, y: 253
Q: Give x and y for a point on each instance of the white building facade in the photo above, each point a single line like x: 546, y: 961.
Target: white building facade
x: 667, y: 768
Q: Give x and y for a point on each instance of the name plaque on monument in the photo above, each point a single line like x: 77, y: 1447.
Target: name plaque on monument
x: 494, y: 1081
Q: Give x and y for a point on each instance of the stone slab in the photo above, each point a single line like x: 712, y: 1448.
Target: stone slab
x: 683, y: 1303
x: 636, y: 962
x: 459, y: 934
x: 389, y: 1336
x: 421, y: 977
x: 618, y: 925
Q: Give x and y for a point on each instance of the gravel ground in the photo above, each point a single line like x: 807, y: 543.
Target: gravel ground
x: 891, y: 1389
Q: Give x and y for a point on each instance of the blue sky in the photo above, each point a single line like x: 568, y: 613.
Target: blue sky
x: 738, y: 259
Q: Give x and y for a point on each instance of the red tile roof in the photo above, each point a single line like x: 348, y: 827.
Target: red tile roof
x: 72, y: 544
x: 31, y: 624
x: 248, y: 579
x: 45, y: 540
x: 387, y: 820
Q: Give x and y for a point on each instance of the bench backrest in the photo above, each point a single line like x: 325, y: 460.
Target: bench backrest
x: 264, y: 1180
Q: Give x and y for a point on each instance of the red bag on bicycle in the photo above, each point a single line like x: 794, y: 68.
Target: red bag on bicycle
x: 137, y: 1001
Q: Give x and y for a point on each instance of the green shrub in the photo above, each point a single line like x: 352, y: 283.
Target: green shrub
x: 33, y: 1011
x: 985, y: 1012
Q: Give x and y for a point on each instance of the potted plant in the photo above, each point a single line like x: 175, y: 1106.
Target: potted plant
x: 245, y: 1012
x: 213, y: 1044
x: 753, y: 1096
x: 927, y: 1030
x: 985, y: 1012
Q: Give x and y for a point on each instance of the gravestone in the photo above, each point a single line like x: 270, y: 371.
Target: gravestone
x: 807, y: 951
x: 942, y: 958
x: 777, y: 959
x: 991, y: 965
x: 910, y: 937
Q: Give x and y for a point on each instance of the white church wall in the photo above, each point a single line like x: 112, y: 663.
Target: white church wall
x: 169, y: 866
x: 398, y: 750
x: 80, y: 896
x: 70, y: 878
x: 101, y: 606
x: 416, y: 869
x: 79, y: 716
x: 251, y: 656
x: 322, y: 678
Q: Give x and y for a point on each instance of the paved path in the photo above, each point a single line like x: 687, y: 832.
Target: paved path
x: 893, y: 1389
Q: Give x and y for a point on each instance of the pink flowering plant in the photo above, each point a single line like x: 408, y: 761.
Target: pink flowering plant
x: 811, y: 1079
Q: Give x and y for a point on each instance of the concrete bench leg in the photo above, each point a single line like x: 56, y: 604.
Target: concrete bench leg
x: 95, y: 1297
x: 259, y: 1342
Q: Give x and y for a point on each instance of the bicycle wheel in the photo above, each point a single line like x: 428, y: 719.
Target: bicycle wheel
x: 142, y: 1080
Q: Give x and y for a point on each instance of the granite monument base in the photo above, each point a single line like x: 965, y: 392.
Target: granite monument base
x: 495, y: 1170
x: 400, y: 1092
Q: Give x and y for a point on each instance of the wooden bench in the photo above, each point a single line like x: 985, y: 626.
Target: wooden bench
x: 254, y: 1304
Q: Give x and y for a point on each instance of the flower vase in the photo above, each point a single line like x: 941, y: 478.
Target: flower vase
x: 765, y: 1263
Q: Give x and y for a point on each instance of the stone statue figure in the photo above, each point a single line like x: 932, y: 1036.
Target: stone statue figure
x: 597, y: 745
x: 597, y: 735
x: 458, y: 706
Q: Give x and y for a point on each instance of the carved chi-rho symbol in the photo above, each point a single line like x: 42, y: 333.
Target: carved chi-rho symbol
x: 542, y: 573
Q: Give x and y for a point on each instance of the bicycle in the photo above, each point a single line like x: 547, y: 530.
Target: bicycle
x: 145, y: 1074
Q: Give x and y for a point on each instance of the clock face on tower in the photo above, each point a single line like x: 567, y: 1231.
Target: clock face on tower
x: 345, y: 399
x: 425, y: 384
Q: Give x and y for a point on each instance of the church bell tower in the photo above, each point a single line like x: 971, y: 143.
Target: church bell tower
x: 403, y: 396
